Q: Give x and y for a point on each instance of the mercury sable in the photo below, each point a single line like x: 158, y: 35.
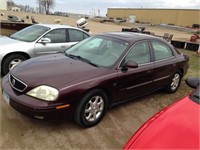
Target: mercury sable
x: 90, y: 77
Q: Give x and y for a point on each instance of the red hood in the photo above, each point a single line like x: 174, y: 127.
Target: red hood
x: 176, y: 127
x: 56, y: 70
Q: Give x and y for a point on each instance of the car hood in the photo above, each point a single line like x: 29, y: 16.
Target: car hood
x: 8, y: 44
x: 7, y: 40
x: 175, y: 127
x: 56, y: 70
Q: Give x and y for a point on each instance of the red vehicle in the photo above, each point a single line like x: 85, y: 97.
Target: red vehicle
x: 175, y: 127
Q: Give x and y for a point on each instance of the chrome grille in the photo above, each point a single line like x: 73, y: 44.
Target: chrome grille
x: 17, y: 84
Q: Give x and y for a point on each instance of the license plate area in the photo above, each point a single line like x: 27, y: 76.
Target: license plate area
x: 6, y: 97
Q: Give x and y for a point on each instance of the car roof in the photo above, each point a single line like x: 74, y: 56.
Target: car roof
x: 55, y: 26
x: 128, y: 36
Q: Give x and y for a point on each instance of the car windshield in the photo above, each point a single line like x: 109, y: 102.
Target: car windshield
x: 30, y: 34
x: 98, y: 50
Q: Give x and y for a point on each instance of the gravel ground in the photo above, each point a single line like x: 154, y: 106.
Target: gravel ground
x: 21, y: 132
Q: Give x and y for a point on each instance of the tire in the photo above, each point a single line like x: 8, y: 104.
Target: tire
x: 11, y: 61
x: 175, y: 83
x: 91, y: 108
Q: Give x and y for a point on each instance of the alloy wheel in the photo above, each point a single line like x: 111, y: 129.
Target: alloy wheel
x: 94, y: 108
x: 14, y: 63
x: 175, y: 82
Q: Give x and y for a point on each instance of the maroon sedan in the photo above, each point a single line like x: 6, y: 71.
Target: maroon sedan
x: 97, y: 73
x: 175, y: 127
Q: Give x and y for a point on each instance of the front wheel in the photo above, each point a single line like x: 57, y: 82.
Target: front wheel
x: 11, y: 61
x: 91, y: 108
x: 175, y: 82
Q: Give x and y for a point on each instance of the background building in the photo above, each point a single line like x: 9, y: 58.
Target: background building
x: 179, y: 17
x: 3, y: 4
x: 15, y: 9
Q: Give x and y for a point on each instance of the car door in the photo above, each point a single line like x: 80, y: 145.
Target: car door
x: 58, y: 42
x: 136, y: 81
x: 165, y: 63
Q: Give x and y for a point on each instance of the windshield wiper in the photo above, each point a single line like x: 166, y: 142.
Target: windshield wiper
x: 70, y: 55
x: 87, y: 61
x: 81, y: 58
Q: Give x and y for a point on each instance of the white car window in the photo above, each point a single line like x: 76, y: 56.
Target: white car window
x: 76, y: 35
x: 57, y: 36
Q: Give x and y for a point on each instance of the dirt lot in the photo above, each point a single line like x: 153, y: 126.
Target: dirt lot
x: 21, y: 132
x: 95, y: 27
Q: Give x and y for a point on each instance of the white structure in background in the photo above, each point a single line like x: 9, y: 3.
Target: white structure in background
x: 15, y: 9
x: 3, y: 4
x: 81, y: 23
x: 132, y: 19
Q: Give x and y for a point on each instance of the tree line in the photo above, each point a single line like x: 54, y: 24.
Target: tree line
x: 44, y: 6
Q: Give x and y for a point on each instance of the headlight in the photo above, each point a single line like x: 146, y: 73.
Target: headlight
x: 44, y: 92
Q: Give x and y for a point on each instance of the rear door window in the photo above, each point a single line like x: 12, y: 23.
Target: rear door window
x: 76, y: 35
x: 161, y: 51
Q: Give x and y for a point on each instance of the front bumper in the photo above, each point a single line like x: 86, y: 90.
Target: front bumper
x: 33, y: 107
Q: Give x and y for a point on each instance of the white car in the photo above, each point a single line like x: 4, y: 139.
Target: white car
x: 35, y: 40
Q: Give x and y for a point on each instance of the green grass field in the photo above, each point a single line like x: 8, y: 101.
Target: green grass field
x: 194, y: 69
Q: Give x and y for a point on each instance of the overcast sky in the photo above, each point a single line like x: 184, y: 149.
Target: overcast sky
x: 92, y: 6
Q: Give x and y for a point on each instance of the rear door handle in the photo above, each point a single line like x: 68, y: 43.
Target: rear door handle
x: 149, y: 71
x: 174, y: 64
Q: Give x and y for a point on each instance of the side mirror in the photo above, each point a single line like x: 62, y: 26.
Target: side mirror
x: 193, y: 82
x: 45, y: 40
x: 129, y: 64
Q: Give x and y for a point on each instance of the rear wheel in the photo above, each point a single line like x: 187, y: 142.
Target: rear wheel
x: 11, y: 61
x: 175, y: 82
x: 91, y: 108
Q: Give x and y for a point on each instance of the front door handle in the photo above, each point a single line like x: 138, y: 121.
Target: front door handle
x: 64, y: 46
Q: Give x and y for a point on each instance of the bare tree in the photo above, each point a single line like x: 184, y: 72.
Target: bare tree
x: 46, y: 5
x: 10, y: 3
